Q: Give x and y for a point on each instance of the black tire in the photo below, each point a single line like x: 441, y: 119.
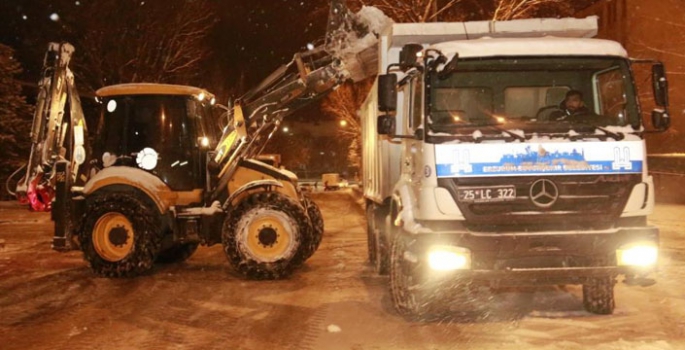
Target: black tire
x: 253, y: 211
x: 145, y: 228
x: 177, y: 253
x: 371, y: 224
x: 598, y: 296
x: 408, y: 296
x: 317, y: 226
x: 383, y: 248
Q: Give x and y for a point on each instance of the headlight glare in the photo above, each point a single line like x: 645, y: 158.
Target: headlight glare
x: 449, y: 258
x: 639, y: 255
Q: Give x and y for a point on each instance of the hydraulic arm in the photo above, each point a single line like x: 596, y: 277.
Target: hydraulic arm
x: 55, y: 136
x: 309, y: 76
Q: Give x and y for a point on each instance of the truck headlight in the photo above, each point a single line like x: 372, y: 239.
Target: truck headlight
x: 642, y: 254
x: 448, y: 258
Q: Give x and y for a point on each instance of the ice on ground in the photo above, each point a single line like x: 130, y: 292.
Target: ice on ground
x: 333, y: 328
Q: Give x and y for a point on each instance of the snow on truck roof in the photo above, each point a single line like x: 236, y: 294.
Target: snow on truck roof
x: 523, y: 37
x: 433, y: 33
x: 547, y: 46
x: 152, y: 89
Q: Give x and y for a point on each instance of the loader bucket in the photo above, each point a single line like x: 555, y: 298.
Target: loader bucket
x: 352, y: 38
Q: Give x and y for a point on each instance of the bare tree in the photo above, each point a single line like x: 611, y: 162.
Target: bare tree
x: 15, y: 117
x: 134, y: 41
x: 343, y: 105
x: 410, y: 10
x: 513, y: 9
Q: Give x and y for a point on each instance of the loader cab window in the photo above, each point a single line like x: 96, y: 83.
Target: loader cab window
x: 161, y: 122
x: 205, y: 120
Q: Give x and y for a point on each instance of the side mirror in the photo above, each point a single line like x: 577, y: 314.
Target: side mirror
x: 660, y: 84
x: 386, y: 125
x: 409, y: 55
x: 387, y: 92
x: 660, y: 119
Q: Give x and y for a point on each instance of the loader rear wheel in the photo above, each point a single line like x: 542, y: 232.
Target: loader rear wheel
x: 177, y: 253
x: 120, y: 235
x: 265, y: 236
x: 598, y: 296
x: 316, y: 221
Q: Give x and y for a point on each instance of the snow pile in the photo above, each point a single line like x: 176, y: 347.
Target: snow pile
x: 357, y: 48
x: 215, y: 208
x: 374, y: 19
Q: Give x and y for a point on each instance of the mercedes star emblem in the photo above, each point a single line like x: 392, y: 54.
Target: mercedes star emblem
x: 544, y: 193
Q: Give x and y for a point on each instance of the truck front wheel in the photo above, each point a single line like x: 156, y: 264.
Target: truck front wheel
x: 120, y: 235
x: 408, y: 295
x: 598, y: 295
x: 266, y: 236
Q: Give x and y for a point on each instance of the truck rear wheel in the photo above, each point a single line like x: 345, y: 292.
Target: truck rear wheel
x: 383, y: 248
x: 316, y: 221
x: 177, y: 253
x: 598, y: 296
x: 265, y: 236
x: 120, y: 235
x: 371, y: 224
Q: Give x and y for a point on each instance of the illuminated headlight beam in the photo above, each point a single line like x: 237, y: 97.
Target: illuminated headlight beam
x: 449, y: 258
x: 639, y: 255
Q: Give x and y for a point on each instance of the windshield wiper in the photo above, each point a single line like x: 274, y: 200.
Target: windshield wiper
x: 510, y: 133
x: 474, y: 138
x: 616, y: 136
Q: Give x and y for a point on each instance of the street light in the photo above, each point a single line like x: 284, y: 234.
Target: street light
x: 343, y: 123
x: 285, y: 129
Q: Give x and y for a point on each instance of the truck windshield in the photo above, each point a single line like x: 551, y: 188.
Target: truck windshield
x: 532, y: 91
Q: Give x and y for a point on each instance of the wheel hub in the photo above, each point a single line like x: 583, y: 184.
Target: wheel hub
x: 113, y: 237
x: 118, y: 235
x: 267, y: 236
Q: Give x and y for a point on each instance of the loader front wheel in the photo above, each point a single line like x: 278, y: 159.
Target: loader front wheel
x: 265, y: 236
x: 120, y: 235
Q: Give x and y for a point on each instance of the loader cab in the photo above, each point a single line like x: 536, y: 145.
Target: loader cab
x: 163, y: 129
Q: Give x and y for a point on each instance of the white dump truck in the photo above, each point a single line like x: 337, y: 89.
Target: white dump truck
x: 479, y: 171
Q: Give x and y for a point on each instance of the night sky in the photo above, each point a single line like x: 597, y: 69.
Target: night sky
x: 249, y: 41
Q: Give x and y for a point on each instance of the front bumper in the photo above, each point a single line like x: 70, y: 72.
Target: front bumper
x: 532, y: 258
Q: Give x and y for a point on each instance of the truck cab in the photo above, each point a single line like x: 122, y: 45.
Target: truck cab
x: 478, y: 175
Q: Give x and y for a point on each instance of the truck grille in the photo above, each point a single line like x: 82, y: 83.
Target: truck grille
x: 581, y: 202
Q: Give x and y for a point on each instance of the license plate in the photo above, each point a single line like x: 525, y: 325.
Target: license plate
x: 487, y: 194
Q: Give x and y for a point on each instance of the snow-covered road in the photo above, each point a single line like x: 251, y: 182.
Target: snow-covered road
x: 51, y: 300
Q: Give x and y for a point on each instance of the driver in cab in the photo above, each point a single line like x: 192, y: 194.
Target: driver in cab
x: 573, y: 105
